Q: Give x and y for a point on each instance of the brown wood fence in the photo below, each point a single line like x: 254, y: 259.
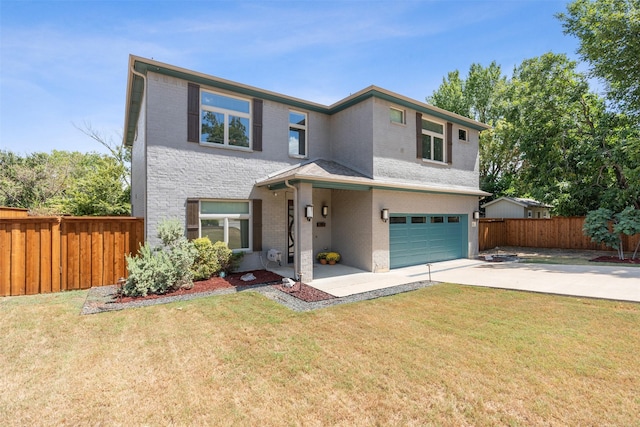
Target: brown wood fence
x: 52, y: 254
x: 557, y: 232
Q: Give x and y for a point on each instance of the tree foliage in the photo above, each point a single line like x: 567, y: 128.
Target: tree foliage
x: 63, y: 182
x: 609, y: 34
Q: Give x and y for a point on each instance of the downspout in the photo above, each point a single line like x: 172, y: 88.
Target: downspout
x: 144, y: 94
x: 296, y: 230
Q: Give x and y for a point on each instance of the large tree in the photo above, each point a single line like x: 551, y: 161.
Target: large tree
x: 609, y: 34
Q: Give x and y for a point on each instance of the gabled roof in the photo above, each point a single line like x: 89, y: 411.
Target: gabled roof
x: 525, y: 203
x: 323, y: 173
x: 139, y: 67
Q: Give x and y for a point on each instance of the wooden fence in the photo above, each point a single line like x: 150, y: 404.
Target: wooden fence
x: 557, y: 232
x: 52, y: 254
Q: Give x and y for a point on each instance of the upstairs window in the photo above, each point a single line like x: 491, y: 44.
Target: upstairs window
x: 225, y: 120
x: 433, y: 141
x: 297, y: 134
x: 396, y: 116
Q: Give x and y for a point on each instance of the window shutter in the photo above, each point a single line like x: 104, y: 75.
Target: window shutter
x: 257, y: 124
x: 419, y: 135
x: 257, y: 224
x: 193, y: 219
x: 449, y: 142
x: 193, y: 112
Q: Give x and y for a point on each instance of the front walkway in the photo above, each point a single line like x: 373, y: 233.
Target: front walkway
x: 593, y: 281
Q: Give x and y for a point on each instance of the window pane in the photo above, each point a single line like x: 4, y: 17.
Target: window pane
x: 438, y: 149
x: 437, y: 219
x: 213, y: 229
x: 212, y: 127
x: 224, y: 207
x: 238, y: 233
x: 398, y: 220
x: 396, y: 115
x: 228, y: 103
x: 297, y: 142
x: 453, y: 219
x: 238, y: 131
x: 418, y: 220
x: 426, y: 147
x: 297, y: 119
x: 433, y: 127
x: 462, y: 134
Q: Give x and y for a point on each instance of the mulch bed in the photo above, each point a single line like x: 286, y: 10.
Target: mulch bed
x: 301, y: 291
x: 616, y: 260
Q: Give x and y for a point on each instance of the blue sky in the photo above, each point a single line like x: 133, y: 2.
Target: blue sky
x: 64, y: 63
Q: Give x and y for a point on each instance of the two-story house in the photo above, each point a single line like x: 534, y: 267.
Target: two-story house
x: 383, y: 179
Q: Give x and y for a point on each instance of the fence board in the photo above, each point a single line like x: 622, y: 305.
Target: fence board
x: 50, y: 254
x: 557, y: 232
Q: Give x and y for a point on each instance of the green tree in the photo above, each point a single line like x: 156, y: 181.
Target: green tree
x: 609, y: 34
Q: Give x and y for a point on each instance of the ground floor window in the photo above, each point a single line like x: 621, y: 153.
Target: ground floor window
x: 226, y: 221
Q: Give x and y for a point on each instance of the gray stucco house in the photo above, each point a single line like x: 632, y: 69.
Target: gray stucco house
x: 385, y: 180
x: 516, y: 207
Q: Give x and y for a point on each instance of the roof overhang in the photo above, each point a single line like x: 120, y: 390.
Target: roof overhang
x: 353, y: 180
x: 139, y: 68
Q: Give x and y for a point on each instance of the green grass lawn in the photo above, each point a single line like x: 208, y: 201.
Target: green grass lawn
x: 444, y: 355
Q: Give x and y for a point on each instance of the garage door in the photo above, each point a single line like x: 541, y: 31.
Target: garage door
x: 418, y: 239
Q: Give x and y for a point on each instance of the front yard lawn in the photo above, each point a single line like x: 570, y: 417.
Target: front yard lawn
x: 442, y: 355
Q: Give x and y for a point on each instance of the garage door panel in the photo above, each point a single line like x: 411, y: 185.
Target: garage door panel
x: 416, y: 239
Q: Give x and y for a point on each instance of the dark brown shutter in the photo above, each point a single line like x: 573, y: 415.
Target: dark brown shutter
x: 257, y: 124
x: 419, y: 135
x: 449, y: 143
x: 193, y: 113
x: 193, y: 219
x: 257, y: 224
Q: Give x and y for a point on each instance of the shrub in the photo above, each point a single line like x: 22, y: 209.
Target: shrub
x: 207, y: 262
x: 333, y: 256
x: 162, y: 269
x: 227, y: 259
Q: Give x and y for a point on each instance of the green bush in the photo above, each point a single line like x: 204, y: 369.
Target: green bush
x: 207, y: 262
x: 162, y: 269
x: 224, y: 255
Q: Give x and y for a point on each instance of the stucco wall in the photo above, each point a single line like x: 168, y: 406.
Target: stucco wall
x: 505, y: 209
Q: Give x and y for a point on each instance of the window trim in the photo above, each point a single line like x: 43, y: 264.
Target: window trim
x: 226, y: 217
x: 466, y: 134
x: 433, y: 134
x: 403, y: 116
x: 305, y: 128
x: 249, y: 116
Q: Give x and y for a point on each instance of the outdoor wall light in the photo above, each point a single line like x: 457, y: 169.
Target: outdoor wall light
x: 384, y: 214
x: 308, y: 212
x: 325, y: 211
x: 476, y: 215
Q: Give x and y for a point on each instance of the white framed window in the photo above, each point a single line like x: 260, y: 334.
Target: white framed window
x: 397, y: 115
x: 433, y: 138
x: 227, y: 221
x: 225, y: 120
x: 297, y: 134
x: 463, y: 135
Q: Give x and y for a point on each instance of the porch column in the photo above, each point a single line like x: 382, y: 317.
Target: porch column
x: 304, y: 246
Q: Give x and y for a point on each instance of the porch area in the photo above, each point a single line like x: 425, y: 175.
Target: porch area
x: 342, y: 280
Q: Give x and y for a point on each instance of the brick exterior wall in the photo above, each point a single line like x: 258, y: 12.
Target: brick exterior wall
x: 167, y: 169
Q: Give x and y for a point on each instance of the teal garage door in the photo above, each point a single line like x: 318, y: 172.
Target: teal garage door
x: 419, y: 239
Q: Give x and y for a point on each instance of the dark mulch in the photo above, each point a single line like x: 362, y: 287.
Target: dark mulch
x: 263, y: 277
x: 305, y: 292
x: 616, y: 260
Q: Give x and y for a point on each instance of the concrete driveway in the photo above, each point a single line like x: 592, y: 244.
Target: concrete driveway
x: 593, y: 281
